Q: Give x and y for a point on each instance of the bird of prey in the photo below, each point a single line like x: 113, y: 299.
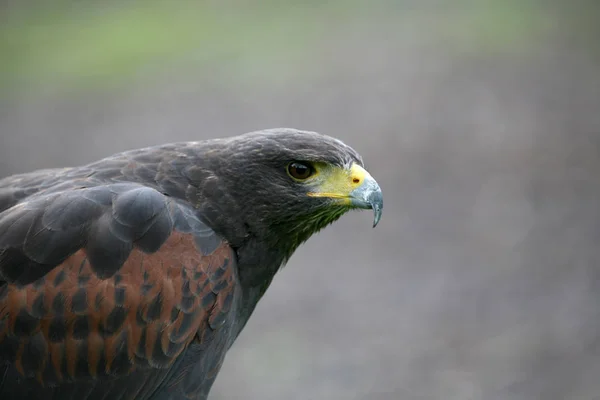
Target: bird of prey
x: 131, y: 277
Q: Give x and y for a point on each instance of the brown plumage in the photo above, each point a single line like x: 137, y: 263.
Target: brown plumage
x: 145, y: 315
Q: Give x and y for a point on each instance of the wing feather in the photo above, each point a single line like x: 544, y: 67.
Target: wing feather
x: 105, y: 280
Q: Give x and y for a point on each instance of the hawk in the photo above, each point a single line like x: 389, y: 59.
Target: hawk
x: 131, y: 277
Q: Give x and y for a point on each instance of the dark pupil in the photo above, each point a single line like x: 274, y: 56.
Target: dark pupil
x: 300, y: 170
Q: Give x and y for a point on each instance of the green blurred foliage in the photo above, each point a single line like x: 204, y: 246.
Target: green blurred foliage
x: 101, y: 44
x: 88, y: 44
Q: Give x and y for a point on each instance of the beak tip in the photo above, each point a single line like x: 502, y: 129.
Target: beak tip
x: 377, y: 217
x: 376, y: 202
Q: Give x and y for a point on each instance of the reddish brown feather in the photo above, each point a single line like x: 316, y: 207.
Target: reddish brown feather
x: 168, y: 270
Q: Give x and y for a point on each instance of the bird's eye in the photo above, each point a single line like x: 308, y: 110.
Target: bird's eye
x: 301, y: 171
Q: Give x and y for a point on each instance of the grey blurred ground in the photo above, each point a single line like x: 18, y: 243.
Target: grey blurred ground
x: 480, y: 120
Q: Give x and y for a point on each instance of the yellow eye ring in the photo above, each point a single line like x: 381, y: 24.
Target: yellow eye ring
x: 300, y: 170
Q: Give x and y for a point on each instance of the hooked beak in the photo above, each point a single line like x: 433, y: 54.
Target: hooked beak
x: 368, y: 196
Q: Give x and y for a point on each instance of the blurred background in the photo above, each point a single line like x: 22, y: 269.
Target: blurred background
x: 480, y: 119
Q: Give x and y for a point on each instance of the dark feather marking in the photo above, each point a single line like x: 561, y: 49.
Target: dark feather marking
x: 119, y: 296
x: 140, y: 319
x: 81, y: 327
x: 25, y: 324
x: 58, y: 304
x: 60, y: 278
x: 79, y: 301
x: 220, y: 286
x: 184, y: 327
x: 208, y: 299
x: 174, y: 314
x: 146, y: 288
x: 98, y: 301
x: 185, y: 289
x: 141, y: 346
x: 38, y: 308
x: 154, y: 309
x: 187, y: 304
x: 198, y: 275
x: 220, y: 272
x: 82, y: 266
x: 114, y: 321
x: 57, y: 331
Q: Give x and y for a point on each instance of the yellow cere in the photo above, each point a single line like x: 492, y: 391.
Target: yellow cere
x: 338, y: 182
